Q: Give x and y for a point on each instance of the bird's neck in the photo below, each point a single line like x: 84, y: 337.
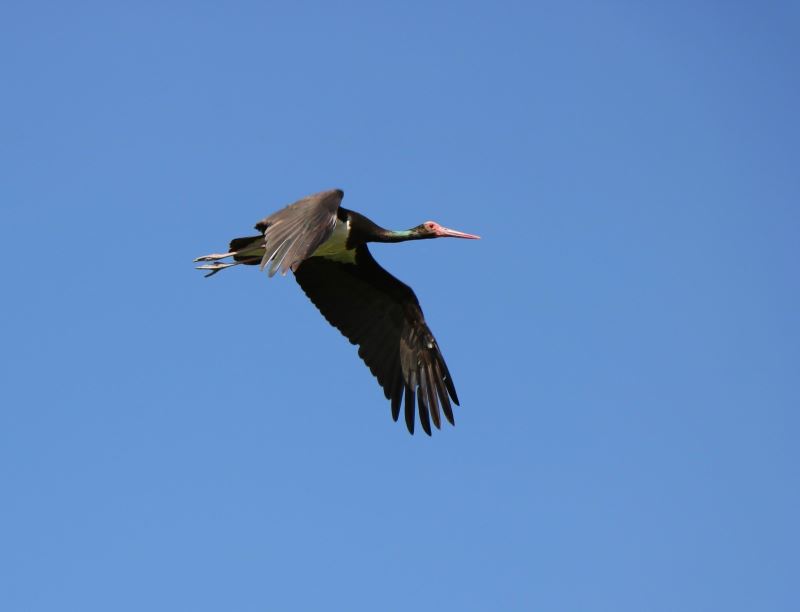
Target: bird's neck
x: 363, y: 230
x: 392, y: 235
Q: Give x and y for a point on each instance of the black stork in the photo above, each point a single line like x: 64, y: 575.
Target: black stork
x: 325, y: 246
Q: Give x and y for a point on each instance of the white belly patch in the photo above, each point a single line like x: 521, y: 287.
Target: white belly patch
x: 334, y: 247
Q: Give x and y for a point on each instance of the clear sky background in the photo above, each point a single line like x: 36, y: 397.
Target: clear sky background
x: 625, y: 339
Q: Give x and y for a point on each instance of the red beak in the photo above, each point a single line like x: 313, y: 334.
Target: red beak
x: 446, y: 232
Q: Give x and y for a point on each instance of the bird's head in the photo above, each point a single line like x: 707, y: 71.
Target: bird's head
x: 431, y: 229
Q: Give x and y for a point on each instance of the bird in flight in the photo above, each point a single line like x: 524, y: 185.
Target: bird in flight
x: 325, y: 246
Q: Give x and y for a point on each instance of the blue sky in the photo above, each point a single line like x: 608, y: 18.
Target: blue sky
x: 625, y: 339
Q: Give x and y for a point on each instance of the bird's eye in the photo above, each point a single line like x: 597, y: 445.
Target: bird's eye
x: 430, y: 225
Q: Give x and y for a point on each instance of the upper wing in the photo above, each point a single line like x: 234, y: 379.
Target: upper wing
x: 382, y: 315
x: 293, y: 233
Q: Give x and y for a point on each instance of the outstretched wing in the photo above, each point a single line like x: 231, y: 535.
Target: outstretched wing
x: 293, y: 233
x: 382, y: 316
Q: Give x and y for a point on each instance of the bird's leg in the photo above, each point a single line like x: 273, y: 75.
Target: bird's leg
x: 248, y: 255
x: 216, y: 256
x: 216, y: 267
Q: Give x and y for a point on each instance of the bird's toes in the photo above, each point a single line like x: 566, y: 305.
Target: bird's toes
x: 215, y: 267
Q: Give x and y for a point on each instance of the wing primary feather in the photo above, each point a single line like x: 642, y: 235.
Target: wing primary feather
x: 423, y: 412
x: 276, y: 264
x: 432, y: 403
x: 265, y: 260
x: 442, y: 391
x: 448, y: 381
x: 409, y: 409
x: 397, y: 396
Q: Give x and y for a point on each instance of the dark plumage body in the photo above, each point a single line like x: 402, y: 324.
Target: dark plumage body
x: 325, y: 246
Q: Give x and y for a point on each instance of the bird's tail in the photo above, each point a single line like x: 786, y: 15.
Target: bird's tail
x: 245, y: 249
x: 248, y: 250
